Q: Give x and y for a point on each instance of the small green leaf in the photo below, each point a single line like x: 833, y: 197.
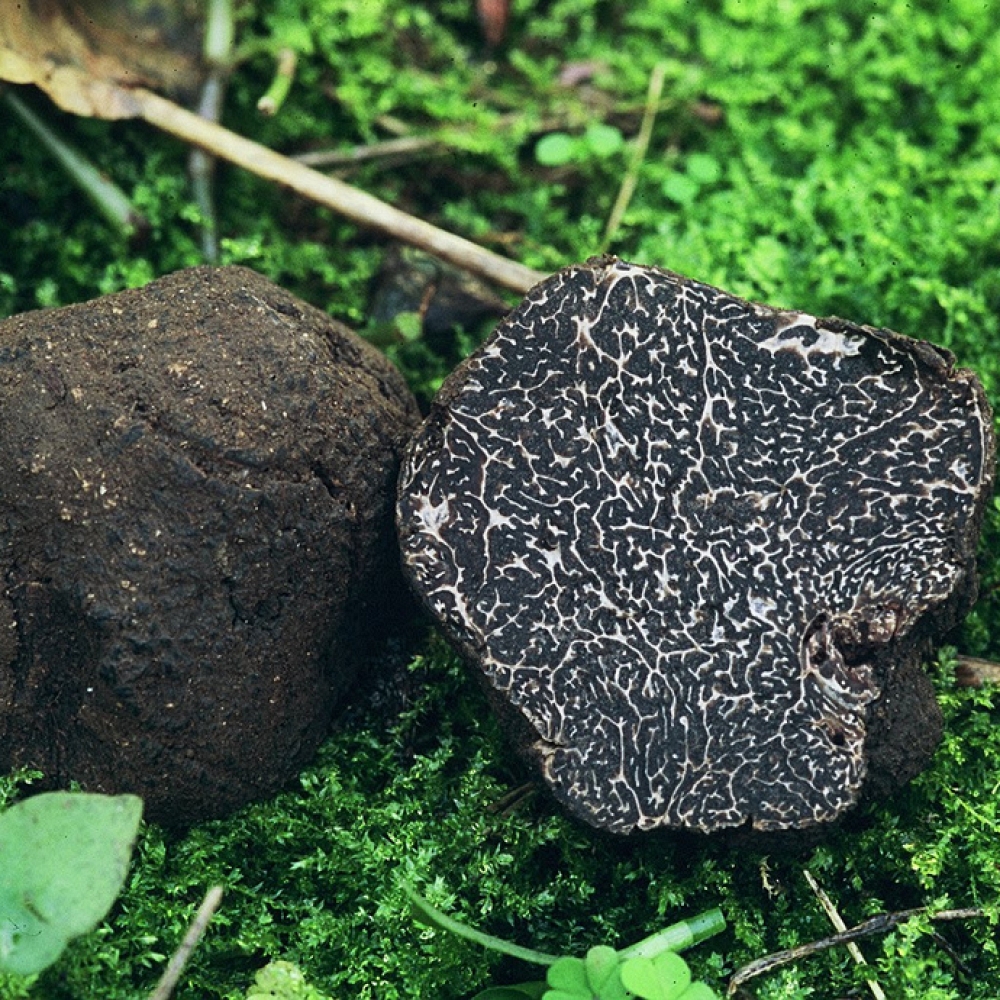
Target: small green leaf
x: 603, y: 966
x: 702, y: 168
x: 556, y: 149
x: 601, y: 963
x: 282, y: 981
x: 594, y: 978
x: 699, y: 991
x: 65, y: 856
x: 665, y: 977
x: 409, y: 325
x: 680, y: 188
x: 603, y: 140
x: 614, y: 988
x: 569, y: 975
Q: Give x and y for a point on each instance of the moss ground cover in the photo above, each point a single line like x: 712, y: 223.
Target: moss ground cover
x: 839, y: 158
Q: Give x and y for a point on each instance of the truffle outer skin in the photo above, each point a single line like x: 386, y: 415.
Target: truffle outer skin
x: 697, y: 546
x: 197, y: 482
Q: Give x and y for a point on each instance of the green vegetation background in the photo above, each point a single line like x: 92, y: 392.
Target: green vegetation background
x: 837, y: 157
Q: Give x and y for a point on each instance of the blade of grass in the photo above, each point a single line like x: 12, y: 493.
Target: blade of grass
x: 110, y: 200
x: 631, y: 178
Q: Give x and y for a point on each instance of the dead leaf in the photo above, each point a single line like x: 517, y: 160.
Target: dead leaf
x: 87, y: 54
x: 973, y: 672
x: 493, y: 15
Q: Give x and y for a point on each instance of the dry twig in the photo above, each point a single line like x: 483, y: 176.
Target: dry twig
x: 881, y: 924
x: 180, y: 957
x: 838, y: 923
x: 358, y: 206
x: 400, y: 147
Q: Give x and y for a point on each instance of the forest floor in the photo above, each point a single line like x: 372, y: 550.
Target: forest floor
x: 840, y: 159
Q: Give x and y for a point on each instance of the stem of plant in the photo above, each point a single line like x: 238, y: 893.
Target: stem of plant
x: 284, y: 74
x: 217, y: 51
x: 631, y: 178
x: 677, y: 937
x: 403, y: 146
x: 220, y: 32
x: 358, y: 206
x: 180, y: 957
x: 430, y: 914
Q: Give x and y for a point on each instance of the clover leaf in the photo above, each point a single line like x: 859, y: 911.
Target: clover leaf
x: 664, y: 977
x: 596, y: 977
x: 649, y: 969
x: 598, y: 142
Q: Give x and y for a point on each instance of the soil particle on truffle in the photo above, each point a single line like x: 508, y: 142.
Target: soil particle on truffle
x: 196, y: 488
x: 697, y: 547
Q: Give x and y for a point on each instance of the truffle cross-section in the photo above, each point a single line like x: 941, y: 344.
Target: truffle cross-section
x: 697, y: 547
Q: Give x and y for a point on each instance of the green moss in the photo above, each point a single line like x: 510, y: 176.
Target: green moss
x: 313, y: 876
x: 839, y: 159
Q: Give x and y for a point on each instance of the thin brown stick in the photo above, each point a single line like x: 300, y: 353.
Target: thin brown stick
x: 358, y: 206
x: 402, y: 146
x: 513, y: 799
x: 180, y: 957
x: 839, y: 925
x: 881, y: 924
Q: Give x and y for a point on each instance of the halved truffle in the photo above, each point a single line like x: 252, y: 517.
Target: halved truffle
x: 697, y: 547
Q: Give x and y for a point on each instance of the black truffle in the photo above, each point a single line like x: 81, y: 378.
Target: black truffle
x: 196, y: 536
x: 697, y: 547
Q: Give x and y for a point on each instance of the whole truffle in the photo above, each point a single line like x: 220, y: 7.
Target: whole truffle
x: 196, y: 492
x: 697, y: 547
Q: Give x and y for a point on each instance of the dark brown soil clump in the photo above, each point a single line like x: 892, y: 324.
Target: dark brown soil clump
x: 196, y: 484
